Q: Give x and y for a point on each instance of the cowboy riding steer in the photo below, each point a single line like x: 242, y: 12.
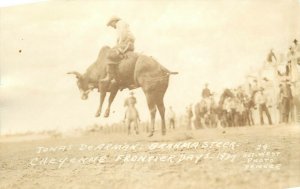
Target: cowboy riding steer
x: 132, y: 71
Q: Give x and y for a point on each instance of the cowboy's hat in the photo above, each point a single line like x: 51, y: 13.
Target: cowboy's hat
x: 113, y: 19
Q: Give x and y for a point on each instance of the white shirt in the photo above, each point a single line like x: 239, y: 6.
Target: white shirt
x: 171, y: 114
x: 261, y: 98
x: 123, y: 32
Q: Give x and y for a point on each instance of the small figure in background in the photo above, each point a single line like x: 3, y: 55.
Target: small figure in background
x: 131, y: 114
x: 189, y: 116
x: 206, y: 92
x: 171, y: 118
x: 270, y: 57
x: 261, y: 101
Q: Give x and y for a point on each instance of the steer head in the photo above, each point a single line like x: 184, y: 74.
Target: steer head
x: 83, y: 85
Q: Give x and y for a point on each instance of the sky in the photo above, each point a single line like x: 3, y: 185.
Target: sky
x: 218, y: 42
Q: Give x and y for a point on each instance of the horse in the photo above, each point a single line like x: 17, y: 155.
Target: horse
x: 206, y: 112
x: 132, y: 117
x: 221, y: 112
x: 200, y: 110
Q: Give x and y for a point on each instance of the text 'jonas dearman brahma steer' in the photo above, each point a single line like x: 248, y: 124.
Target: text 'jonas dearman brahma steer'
x: 135, y: 70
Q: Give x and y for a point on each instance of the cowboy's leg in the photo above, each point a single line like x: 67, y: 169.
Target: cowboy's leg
x: 111, y: 72
x: 113, y: 58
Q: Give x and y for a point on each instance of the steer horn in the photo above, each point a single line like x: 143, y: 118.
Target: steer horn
x: 77, y: 74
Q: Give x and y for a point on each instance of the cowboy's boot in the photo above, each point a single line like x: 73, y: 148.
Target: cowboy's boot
x: 111, y: 73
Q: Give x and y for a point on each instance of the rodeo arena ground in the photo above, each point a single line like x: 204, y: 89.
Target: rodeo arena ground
x: 244, y: 137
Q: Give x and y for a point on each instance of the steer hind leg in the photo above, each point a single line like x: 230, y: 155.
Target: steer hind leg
x: 152, y: 109
x: 161, y: 109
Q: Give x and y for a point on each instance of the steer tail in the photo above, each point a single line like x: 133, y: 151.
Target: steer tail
x: 167, y: 71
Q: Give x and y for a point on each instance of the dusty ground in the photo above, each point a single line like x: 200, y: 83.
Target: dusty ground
x: 18, y: 170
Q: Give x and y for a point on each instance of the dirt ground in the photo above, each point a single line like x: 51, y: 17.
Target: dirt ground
x: 23, y: 165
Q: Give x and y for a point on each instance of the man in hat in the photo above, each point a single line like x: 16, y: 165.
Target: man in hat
x: 131, y: 100
x: 189, y: 116
x: 296, y: 49
x: 131, y: 114
x: 171, y: 118
x: 290, y: 54
x: 287, y: 98
x: 270, y: 57
x: 293, y: 59
x: 206, y: 96
x: 206, y: 92
x: 125, y: 43
x: 279, y: 102
x: 261, y: 100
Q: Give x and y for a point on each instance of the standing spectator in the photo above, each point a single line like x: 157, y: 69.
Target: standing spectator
x: 240, y: 112
x: 296, y: 49
x: 255, y: 88
x: 206, y: 92
x: 171, y: 118
x: 293, y: 60
x: 262, y: 103
x: 131, y: 114
x: 279, y: 103
x: 287, y: 98
x: 270, y: 57
x: 189, y: 116
x: 229, y: 107
x: 131, y: 100
x: 249, y: 104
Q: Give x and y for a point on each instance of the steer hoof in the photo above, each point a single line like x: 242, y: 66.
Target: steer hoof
x: 97, y: 114
x: 106, y: 113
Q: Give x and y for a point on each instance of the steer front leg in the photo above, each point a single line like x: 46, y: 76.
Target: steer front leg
x: 113, y: 93
x: 102, y: 97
